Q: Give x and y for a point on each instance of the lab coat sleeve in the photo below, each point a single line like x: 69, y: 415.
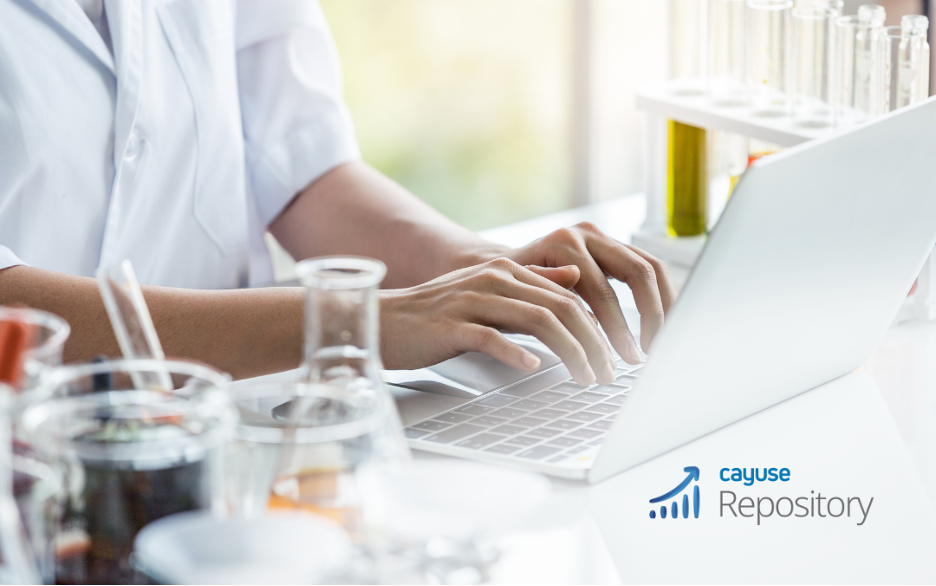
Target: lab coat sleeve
x: 8, y: 259
x: 296, y: 124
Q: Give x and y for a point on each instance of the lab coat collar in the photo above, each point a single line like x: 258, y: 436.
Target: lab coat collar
x: 68, y: 15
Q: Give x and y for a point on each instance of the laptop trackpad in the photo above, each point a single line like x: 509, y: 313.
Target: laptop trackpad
x: 418, y: 405
x: 483, y: 373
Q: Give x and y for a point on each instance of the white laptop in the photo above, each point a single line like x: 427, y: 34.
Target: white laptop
x: 796, y: 286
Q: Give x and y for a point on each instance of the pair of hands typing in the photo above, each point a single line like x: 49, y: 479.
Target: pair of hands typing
x: 531, y: 290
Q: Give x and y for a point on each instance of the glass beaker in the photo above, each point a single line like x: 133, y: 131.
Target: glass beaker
x: 40, y: 336
x: 904, y: 64
x: 687, y: 29
x: 812, y: 66
x: 128, y: 456
x: 768, y: 48
x: 857, y: 60
x: 726, y: 71
x: 39, y: 496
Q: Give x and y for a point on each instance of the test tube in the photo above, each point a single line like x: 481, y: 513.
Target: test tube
x: 836, y: 5
x: 726, y: 71
x: 857, y: 60
x: 687, y: 46
x: 768, y: 48
x: 812, y: 63
x: 904, y: 80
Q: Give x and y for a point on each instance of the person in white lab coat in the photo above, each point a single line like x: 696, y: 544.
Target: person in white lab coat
x: 176, y: 132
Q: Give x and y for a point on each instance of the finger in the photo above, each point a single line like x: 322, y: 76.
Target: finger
x: 540, y: 322
x: 477, y: 338
x: 566, y: 277
x: 572, y: 314
x: 600, y: 296
x: 668, y: 293
x: 627, y: 266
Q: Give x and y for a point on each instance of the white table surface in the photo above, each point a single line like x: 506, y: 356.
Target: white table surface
x: 868, y: 434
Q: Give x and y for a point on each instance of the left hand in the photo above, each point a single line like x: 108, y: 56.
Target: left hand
x: 599, y: 256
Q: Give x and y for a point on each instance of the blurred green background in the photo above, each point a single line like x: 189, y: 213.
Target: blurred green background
x: 464, y: 102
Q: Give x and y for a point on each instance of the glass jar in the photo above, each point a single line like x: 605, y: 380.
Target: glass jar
x: 128, y: 456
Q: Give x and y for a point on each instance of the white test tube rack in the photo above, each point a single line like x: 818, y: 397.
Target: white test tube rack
x: 662, y: 104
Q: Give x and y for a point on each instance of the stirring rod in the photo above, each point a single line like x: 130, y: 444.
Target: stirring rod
x: 131, y: 321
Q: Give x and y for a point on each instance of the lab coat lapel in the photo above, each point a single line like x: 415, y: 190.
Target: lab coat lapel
x: 68, y: 15
x: 126, y: 26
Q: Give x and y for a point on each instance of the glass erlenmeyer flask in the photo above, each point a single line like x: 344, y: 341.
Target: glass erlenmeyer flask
x: 319, y: 444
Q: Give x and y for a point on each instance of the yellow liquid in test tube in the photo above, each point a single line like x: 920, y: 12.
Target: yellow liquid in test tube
x: 687, y: 180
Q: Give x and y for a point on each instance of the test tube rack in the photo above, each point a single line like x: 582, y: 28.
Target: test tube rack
x: 661, y: 103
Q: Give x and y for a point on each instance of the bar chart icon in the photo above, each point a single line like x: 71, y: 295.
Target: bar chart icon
x: 676, y: 507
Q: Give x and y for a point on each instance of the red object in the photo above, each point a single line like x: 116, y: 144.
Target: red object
x: 15, y: 339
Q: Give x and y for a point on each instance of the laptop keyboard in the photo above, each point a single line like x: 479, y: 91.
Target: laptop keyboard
x: 530, y: 422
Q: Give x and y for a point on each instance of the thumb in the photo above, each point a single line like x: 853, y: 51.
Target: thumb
x: 566, y: 277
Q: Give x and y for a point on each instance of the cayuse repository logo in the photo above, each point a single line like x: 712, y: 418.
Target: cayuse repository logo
x: 681, y: 489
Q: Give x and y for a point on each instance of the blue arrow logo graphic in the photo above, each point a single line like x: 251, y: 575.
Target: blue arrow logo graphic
x: 693, y: 475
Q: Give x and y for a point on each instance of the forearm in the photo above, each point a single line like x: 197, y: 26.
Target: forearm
x: 243, y: 332
x: 356, y: 210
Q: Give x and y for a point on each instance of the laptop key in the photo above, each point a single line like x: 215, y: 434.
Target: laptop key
x: 599, y: 408
x: 569, y: 405
x: 603, y: 425
x: 563, y: 442
x: 452, y: 417
x: 509, y: 413
x: 558, y: 458
x: 585, y: 416
x: 538, y: 453
x: 411, y: 433
x: 618, y: 400
x: 479, y: 441
x: 508, y: 429
x: 454, y: 434
x: 626, y: 379
x: 564, y: 424
x: 550, y: 396
x: 524, y: 440
x: 543, y: 432
x: 431, y: 425
x: 528, y: 421
x: 503, y: 449
x: 488, y: 421
x: 473, y: 409
x: 549, y: 414
x: 589, y: 397
x: 529, y: 405
x: 576, y: 450
x: 496, y: 400
x: 585, y: 433
x: 568, y: 387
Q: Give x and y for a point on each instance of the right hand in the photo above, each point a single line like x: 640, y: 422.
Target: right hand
x: 466, y: 310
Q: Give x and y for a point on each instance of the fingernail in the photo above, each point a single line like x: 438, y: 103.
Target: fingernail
x: 607, y: 373
x: 531, y: 361
x: 589, y: 375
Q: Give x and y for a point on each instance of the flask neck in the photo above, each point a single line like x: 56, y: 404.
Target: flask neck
x: 341, y: 318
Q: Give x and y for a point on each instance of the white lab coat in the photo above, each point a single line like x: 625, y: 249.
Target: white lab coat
x: 177, y: 150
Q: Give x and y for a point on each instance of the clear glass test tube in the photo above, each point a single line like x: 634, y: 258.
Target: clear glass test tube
x: 857, y: 59
x: 769, y: 24
x: 904, y: 64
x: 812, y: 66
x: 726, y: 67
x: 687, y: 29
x: 836, y: 5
